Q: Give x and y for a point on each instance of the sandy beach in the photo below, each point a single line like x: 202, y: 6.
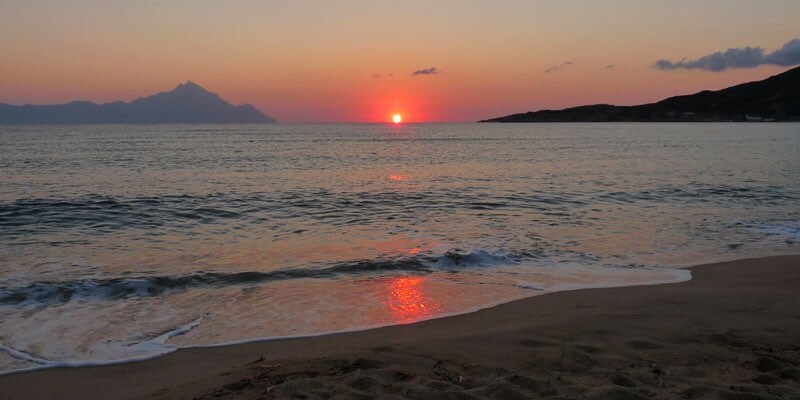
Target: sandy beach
x: 732, y: 332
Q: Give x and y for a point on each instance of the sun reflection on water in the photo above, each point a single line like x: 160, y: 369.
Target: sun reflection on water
x: 398, y: 177
x: 407, y: 300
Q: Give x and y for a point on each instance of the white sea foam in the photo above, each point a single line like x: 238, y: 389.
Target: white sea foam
x: 552, y: 279
x: 146, y: 350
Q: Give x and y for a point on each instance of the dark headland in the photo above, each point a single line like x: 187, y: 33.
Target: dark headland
x: 773, y: 99
x: 187, y: 103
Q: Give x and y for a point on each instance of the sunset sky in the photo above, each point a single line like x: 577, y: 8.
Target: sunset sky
x: 355, y: 61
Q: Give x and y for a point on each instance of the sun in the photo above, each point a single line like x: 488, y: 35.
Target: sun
x: 397, y: 118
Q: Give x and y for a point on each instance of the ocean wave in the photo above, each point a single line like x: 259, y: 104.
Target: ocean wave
x: 702, y: 193
x: 55, y: 292
x: 788, y: 229
x: 97, y: 215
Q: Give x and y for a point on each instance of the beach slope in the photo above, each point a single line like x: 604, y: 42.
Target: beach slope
x: 732, y: 332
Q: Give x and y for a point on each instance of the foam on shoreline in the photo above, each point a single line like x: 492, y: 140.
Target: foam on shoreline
x: 159, y: 345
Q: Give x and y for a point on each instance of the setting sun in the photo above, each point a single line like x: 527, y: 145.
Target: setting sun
x: 397, y: 118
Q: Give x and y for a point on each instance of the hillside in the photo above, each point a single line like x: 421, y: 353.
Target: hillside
x: 775, y: 98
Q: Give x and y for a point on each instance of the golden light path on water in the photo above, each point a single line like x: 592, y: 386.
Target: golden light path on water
x: 407, y: 301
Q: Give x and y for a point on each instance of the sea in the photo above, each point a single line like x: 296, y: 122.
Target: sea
x: 126, y: 242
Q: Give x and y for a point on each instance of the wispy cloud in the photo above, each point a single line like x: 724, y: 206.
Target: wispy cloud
x: 563, y: 65
x: 551, y: 69
x: 742, y: 57
x: 376, y: 75
x: 426, y: 71
x: 609, y: 66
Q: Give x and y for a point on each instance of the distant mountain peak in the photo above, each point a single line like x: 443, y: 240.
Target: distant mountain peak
x: 190, y: 87
x: 187, y: 103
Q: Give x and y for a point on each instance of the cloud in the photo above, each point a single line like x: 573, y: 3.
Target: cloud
x: 787, y: 55
x: 376, y: 75
x: 609, y: 66
x: 426, y: 71
x: 743, y: 57
x: 563, y: 65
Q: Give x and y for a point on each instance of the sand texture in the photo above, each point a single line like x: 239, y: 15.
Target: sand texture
x: 732, y: 332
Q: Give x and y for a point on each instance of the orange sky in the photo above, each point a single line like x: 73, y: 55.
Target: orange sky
x: 315, y: 61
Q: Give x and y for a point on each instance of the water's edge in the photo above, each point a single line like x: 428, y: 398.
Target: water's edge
x: 684, y: 276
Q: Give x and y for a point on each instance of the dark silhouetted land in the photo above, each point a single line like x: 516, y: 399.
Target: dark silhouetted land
x: 187, y: 103
x: 773, y: 99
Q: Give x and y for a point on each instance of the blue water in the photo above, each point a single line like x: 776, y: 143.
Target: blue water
x: 124, y: 242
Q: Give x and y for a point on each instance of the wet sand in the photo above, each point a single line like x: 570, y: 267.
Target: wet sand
x: 732, y: 332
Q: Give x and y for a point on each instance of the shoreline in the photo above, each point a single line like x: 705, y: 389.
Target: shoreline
x: 44, y: 364
x: 456, y: 354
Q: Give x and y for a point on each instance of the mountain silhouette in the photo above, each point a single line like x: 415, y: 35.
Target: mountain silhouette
x: 775, y: 98
x: 187, y: 103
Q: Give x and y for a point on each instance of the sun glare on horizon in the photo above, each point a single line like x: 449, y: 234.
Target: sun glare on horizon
x: 397, y: 118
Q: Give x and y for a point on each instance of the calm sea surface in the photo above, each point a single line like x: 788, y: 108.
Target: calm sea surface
x: 124, y: 242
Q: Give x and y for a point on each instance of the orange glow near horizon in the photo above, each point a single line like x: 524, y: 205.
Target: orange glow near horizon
x: 364, y: 62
